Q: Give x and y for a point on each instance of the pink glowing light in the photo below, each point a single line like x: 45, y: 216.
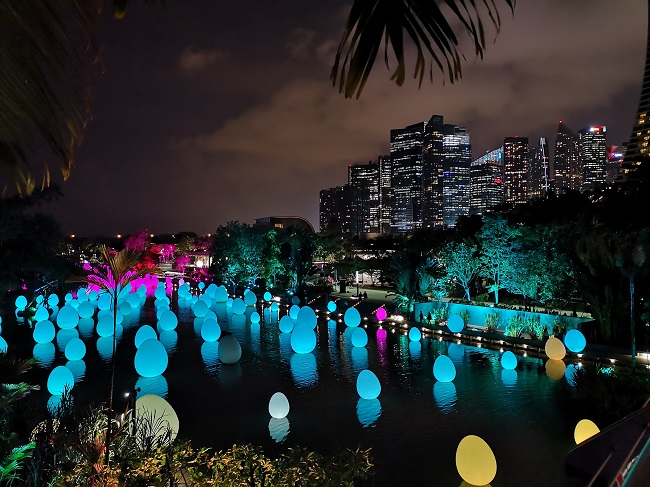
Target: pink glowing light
x: 381, y: 314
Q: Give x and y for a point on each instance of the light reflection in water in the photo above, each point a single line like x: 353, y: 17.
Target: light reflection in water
x: 415, y: 350
x: 44, y: 353
x: 359, y: 359
x: 105, y: 348
x: 444, y: 393
x: 255, y: 338
x: 86, y: 327
x: 152, y: 385
x: 63, y: 336
x: 303, y: 369
x: 169, y: 339
x: 509, y: 377
x: 78, y: 369
x: 368, y: 412
x: 279, y: 429
x: 210, y: 355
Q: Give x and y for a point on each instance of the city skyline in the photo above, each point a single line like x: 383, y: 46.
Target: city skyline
x: 186, y: 137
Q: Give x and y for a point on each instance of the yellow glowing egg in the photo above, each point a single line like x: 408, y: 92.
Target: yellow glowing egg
x: 555, y: 369
x: 155, y: 410
x: 555, y: 349
x: 585, y: 429
x: 475, y: 461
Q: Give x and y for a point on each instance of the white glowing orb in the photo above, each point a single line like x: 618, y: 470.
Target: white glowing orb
x: 60, y: 380
x: 278, y: 405
x: 368, y: 385
x: 144, y: 333
x: 151, y: 358
x: 157, y: 411
x: 229, y: 349
x: 475, y: 461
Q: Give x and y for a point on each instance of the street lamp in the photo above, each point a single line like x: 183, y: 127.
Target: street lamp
x: 357, y: 278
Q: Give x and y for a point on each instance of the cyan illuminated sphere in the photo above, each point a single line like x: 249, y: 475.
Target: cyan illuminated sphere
x: 67, y: 317
x: 164, y: 301
x: 255, y: 317
x: 575, y: 341
x: 159, y: 412
x: 160, y: 310
x: 104, y: 301
x: 160, y: 292
x: 381, y: 314
x: 455, y: 323
x: 307, y: 316
x: 75, y: 349
x: 287, y: 324
x: 211, y: 289
x: 144, y: 333
x: 267, y: 296
x: 200, y: 308
x: 229, y: 349
x: 60, y: 380
x: 74, y: 303
x: 295, y: 300
x: 86, y: 309
x: 53, y: 300
x: 554, y: 349
x: 238, y: 306
x: 221, y: 294
x: 81, y: 295
x: 64, y: 336
x: 274, y: 306
x: 278, y: 405
x: 303, y: 338
x: 151, y: 358
x: 250, y: 298
x: 585, y: 429
x: 3, y: 345
x: 41, y: 314
x: 359, y: 337
x: 415, y: 335
x: 168, y: 320
x: 206, y: 298
x: 352, y: 317
x: 444, y: 369
x: 44, y: 331
x: 368, y: 412
x: 229, y: 302
x: 39, y: 299
x: 105, y: 326
x: 134, y: 300
x: 509, y: 360
x: 475, y: 461
x: 68, y: 297
x: 201, y: 286
x: 293, y: 311
x: 210, y: 330
x: 92, y: 295
x: 368, y: 385
x: 331, y: 306
x: 125, y: 308
x: 44, y: 354
x: 279, y: 429
x: 21, y: 302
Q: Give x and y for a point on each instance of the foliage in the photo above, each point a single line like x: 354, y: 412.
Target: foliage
x: 464, y: 316
x: 137, y: 241
x: 515, y: 327
x: 461, y: 263
x: 492, y: 322
x: 534, y: 327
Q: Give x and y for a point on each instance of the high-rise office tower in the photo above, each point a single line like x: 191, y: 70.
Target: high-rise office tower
x: 385, y: 193
x: 457, y: 157
x: 338, y: 208
x: 566, y: 164
x: 365, y: 178
x: 615, y: 155
x: 538, y: 171
x: 593, y: 157
x: 433, y: 173
x: 486, y: 182
x: 515, y: 169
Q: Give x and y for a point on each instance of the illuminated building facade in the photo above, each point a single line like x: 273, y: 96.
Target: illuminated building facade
x: 615, y: 156
x: 433, y: 172
x: 593, y: 157
x: 486, y: 182
x: 338, y: 210
x: 385, y: 193
x: 567, y: 173
x: 366, y: 179
x: 515, y: 169
x: 457, y: 158
x: 538, y: 171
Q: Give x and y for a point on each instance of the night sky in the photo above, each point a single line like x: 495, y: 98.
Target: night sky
x: 212, y: 111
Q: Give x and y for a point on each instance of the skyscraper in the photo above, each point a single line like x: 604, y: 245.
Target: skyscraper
x: 338, y: 208
x: 457, y: 157
x: 515, y: 169
x: 365, y: 178
x: 566, y: 166
x: 538, y: 171
x: 385, y: 193
x: 486, y: 182
x: 593, y: 157
x: 433, y: 173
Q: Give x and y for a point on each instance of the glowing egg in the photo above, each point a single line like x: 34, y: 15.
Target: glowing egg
x: 125, y: 308
x: 53, y: 299
x: 151, y: 358
x: 554, y: 349
x: 21, y: 302
x: 41, y: 314
x: 92, y: 295
x: 331, y: 306
x: 168, y: 320
x: 444, y: 369
x: 210, y: 330
x: 352, y: 317
x: 267, y: 296
x: 105, y: 326
x: 287, y: 324
x: 75, y: 349
x: 74, y: 303
x: 303, y: 338
x: 68, y: 297
x: 278, y: 405
x: 475, y: 461
x: 164, y: 301
x: 67, y: 317
x: 368, y: 385
x: 4, y: 346
x: 134, y: 301
x: 144, y: 333
x: 238, y: 306
x: 509, y: 360
x: 221, y: 294
x: 307, y: 316
x: 585, y: 429
x: 160, y: 292
x: 555, y: 369
x: 60, y: 380
x: 293, y: 311
x: 104, y: 301
x: 250, y: 298
x: 86, y: 310
x: 359, y: 337
x: 201, y: 286
x: 159, y: 412
x: 39, y: 299
x: 206, y: 299
x: 44, y: 354
x: 211, y: 290
x: 160, y: 310
x: 295, y: 300
x: 381, y: 314
x: 229, y: 302
x: 575, y: 341
x: 274, y: 306
x: 368, y: 412
x: 415, y: 335
x: 255, y: 317
x: 44, y: 331
x: 229, y: 349
x: 455, y: 323
x: 200, y: 308
x: 279, y: 429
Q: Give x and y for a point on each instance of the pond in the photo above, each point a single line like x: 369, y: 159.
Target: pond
x: 413, y: 428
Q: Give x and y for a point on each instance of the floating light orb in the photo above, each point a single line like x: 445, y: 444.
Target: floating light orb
x: 134, y: 301
x: 201, y: 286
x: 68, y: 297
x: 158, y: 411
x: 278, y: 405
x: 229, y: 349
x: 53, y: 299
x: 206, y: 299
x: 381, y: 314
x: 44, y: 354
x: 151, y: 358
x: 368, y: 412
x: 368, y: 385
x: 229, y: 302
x: 164, y: 301
x: 250, y: 298
x: 331, y: 306
x: 144, y: 333
x: 255, y: 317
x: 104, y: 301
x: 352, y: 317
x: 82, y: 295
x: 554, y: 349
x: 307, y: 316
x: 279, y: 429
x: 293, y: 311
x: 295, y: 300
x: 44, y: 331
x: 575, y: 341
x: 210, y: 330
x: 74, y: 303
x: 303, y: 338
x: 86, y: 309
x: 221, y: 294
x: 475, y: 461
x: 509, y: 360
x: 160, y: 292
x: 67, y: 317
x: 60, y: 380
x: 585, y: 429
x: 444, y: 369
x: 168, y: 320
x: 444, y: 393
x: 359, y: 337
x: 200, y: 308
x: 274, y: 306
x: 211, y: 290
x: 41, y: 314
x: 303, y: 369
x: 238, y: 306
x: 287, y: 324
x: 92, y: 295
x: 455, y: 323
x: 75, y: 349
x: 415, y: 335
x: 555, y: 369
x: 105, y: 326
x: 125, y: 308
x: 267, y: 296
x: 160, y: 310
x: 64, y: 336
x: 4, y: 346
x: 21, y: 302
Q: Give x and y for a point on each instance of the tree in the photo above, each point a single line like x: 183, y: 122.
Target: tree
x: 137, y: 241
x: 238, y: 251
x: 462, y: 264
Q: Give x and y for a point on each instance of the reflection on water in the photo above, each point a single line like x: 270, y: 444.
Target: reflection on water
x: 86, y: 327
x: 285, y: 346
x: 64, y: 335
x: 105, y: 348
x: 229, y: 375
x: 54, y: 404
x: 44, y: 353
x: 78, y: 369
x: 279, y: 429
x: 368, y: 412
x: 555, y: 369
x: 509, y: 377
x: 359, y: 359
x: 456, y: 352
x: 415, y: 349
x: 303, y: 369
x: 152, y: 385
x: 445, y: 396
x: 169, y: 338
x: 210, y: 355
x: 255, y: 338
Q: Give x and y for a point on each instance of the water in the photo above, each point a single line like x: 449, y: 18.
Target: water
x: 413, y: 428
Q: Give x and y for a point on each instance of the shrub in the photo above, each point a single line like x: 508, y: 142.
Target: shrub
x: 533, y: 325
x: 515, y: 327
x: 492, y: 322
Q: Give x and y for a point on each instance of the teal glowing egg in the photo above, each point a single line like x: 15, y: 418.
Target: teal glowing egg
x: 455, y: 323
x: 78, y: 369
x: 211, y: 290
x: 275, y: 306
x: 4, y: 346
x: 303, y: 338
x: 21, y: 302
x: 200, y: 308
x: 104, y: 301
x: 44, y: 354
x: 229, y: 302
x: 74, y: 303
x: 67, y: 317
x: 86, y: 310
x: 160, y: 292
x: 331, y: 306
x: 151, y: 358
x: 44, y: 331
x: 134, y: 300
x: 229, y: 349
x: 221, y: 294
x: 210, y: 330
x: 415, y: 335
x: 41, y: 314
x: 68, y: 297
x: 92, y: 295
x: 303, y: 369
x: 279, y: 429
x: 164, y: 301
x: 444, y: 369
x: 238, y: 306
x: 64, y: 336
x: 267, y: 296
x: 183, y: 290
x: 75, y: 349
x: 53, y: 299
x: 160, y: 310
x: 81, y: 295
x: 125, y: 308
x: 168, y: 320
x: 287, y: 324
x: 368, y: 385
x: 250, y: 298
x: 144, y: 333
x: 39, y: 299
x: 307, y: 316
x: 293, y: 311
x: 575, y: 341
x: 368, y: 412
x: 60, y: 380
x: 278, y: 405
x: 105, y: 326
x: 255, y: 317
x: 206, y: 299
x: 295, y: 300
x: 142, y: 290
x: 444, y: 393
x: 359, y: 337
x: 509, y: 360
x: 352, y: 317
x: 201, y: 286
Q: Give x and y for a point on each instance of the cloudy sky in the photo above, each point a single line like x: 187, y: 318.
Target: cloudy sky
x: 211, y: 111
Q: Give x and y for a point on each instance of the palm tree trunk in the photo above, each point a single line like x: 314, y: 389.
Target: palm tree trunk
x: 632, y: 327
x: 109, y: 413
